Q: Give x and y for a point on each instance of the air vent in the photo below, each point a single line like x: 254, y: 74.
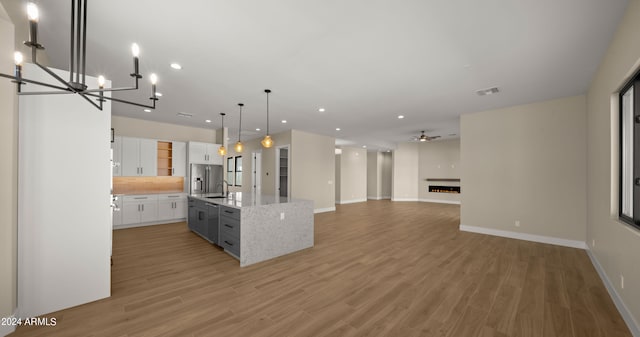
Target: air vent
x: 184, y: 115
x: 489, y: 91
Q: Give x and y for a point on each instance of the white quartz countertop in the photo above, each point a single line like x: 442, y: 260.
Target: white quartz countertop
x: 242, y: 200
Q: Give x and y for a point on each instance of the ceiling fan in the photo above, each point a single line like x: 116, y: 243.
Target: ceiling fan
x: 424, y: 138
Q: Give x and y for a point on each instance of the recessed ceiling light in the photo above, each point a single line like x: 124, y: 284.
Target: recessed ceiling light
x: 400, y: 117
x: 207, y: 121
x: 321, y: 110
x: 364, y: 146
x: 257, y: 129
x: 176, y: 66
x: 147, y: 110
x: 337, y: 129
x: 284, y: 121
x: 388, y: 150
x: 159, y: 94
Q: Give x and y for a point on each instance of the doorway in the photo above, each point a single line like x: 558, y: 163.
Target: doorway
x: 282, y: 171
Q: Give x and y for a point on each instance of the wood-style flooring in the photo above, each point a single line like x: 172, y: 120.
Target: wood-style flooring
x: 377, y: 269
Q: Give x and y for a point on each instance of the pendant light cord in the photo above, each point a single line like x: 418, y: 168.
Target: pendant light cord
x: 240, y: 125
x: 267, y: 91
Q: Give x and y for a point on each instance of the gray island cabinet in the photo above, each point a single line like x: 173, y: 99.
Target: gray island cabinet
x: 253, y: 228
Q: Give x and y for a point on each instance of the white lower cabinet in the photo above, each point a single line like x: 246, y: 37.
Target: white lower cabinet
x: 139, y: 209
x: 172, y: 207
x: 150, y: 209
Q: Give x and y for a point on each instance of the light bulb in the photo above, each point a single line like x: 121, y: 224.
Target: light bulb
x: 153, y: 78
x: 239, y: 147
x: 135, y: 50
x: 222, y: 151
x: 267, y: 142
x: 17, y: 58
x: 32, y: 12
x: 101, y: 81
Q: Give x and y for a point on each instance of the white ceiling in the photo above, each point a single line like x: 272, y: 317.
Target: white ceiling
x: 365, y: 62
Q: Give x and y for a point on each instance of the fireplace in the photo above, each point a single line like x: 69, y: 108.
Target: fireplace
x: 444, y: 189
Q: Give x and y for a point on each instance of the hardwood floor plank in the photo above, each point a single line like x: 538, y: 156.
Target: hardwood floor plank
x: 378, y: 268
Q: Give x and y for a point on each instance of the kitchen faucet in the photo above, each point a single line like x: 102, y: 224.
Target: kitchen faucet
x: 226, y: 194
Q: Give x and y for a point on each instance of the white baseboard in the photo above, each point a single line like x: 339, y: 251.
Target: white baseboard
x: 524, y: 236
x: 634, y: 327
x: 322, y: 210
x: 8, y: 329
x: 404, y: 199
x: 378, y: 198
x: 148, y: 224
x: 353, y: 201
x: 453, y: 202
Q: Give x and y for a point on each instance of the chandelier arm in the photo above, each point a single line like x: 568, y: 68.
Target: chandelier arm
x: 110, y: 89
x: 56, y: 77
x: 84, y: 40
x: 33, y: 93
x: 99, y: 107
x: 123, y: 101
x: 35, y: 82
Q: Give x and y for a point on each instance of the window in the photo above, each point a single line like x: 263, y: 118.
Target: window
x: 239, y: 171
x: 629, y: 207
x: 230, y: 171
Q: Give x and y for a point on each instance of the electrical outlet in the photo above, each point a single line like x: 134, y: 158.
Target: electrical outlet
x: 282, y: 216
x: 593, y: 243
x: 621, y: 281
x: 517, y: 223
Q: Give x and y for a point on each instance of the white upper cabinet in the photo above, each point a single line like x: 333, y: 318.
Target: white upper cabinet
x: 139, y: 157
x: 179, y: 162
x: 116, y: 147
x: 204, y: 153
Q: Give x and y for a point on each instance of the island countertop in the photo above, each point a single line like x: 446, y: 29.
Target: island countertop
x: 243, y: 200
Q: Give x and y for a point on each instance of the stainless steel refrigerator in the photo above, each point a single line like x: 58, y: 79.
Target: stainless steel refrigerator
x: 205, y: 178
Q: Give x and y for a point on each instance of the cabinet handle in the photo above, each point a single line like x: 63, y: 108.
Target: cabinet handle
x: 229, y: 226
x: 229, y: 243
x: 138, y: 198
x: 142, y: 170
x: 138, y: 207
x: 143, y: 207
x: 230, y: 212
x: 173, y: 171
x: 212, y: 205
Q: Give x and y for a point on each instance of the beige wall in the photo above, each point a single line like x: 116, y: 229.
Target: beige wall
x: 526, y: 163
x: 8, y: 174
x: 617, y: 245
x: 438, y: 159
x: 132, y: 127
x: 269, y: 161
x: 313, y: 168
x: 405, y: 172
x: 353, y: 175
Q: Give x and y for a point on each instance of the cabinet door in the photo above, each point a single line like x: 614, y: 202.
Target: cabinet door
x: 149, y: 211
x: 179, y: 159
x: 116, y: 147
x: 166, y: 210
x: 197, y: 153
x: 180, y: 209
x: 130, y: 157
x: 148, y: 157
x: 130, y: 213
x: 117, y: 212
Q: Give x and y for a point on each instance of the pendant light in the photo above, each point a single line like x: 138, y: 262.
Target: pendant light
x: 267, y: 142
x: 222, y: 150
x: 239, y: 146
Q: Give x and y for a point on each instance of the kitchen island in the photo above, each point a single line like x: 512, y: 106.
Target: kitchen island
x: 253, y: 228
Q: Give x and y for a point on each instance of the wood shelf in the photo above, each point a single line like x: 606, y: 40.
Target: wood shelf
x: 165, y: 155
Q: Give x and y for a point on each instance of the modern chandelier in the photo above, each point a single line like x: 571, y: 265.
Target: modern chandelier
x: 77, y: 62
